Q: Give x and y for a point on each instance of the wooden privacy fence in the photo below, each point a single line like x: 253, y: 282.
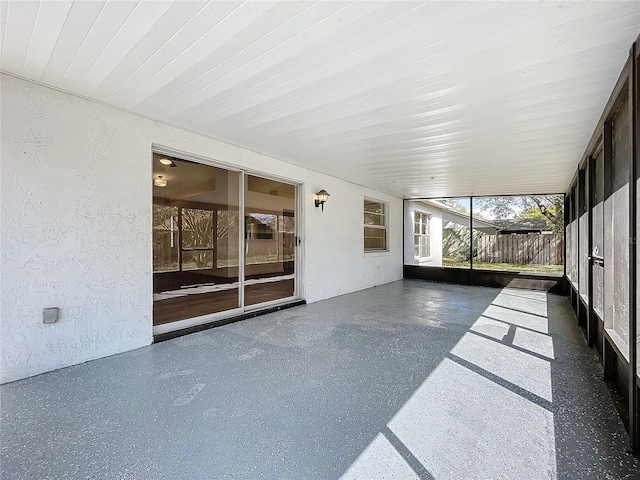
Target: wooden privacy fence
x: 533, y: 248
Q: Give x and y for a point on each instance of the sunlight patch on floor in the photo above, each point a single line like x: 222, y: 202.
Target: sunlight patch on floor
x: 516, y: 317
x: 519, y: 368
x: 534, y: 342
x: 484, y: 412
x: 380, y: 460
x: 459, y: 424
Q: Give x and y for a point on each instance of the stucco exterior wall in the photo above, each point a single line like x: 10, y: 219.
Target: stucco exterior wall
x: 76, y: 224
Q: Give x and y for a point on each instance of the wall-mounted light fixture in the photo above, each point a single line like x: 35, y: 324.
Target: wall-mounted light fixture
x: 160, y: 181
x: 321, y: 197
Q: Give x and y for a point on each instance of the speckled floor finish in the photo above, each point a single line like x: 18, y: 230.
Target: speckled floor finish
x: 406, y: 380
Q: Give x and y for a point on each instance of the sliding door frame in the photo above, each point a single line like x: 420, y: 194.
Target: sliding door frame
x: 297, y: 236
x: 216, y: 317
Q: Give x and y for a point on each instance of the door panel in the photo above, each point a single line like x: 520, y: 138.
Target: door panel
x: 222, y: 241
x: 269, y: 245
x: 195, y: 240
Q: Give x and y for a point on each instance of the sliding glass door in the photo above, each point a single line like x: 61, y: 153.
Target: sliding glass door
x: 209, y: 260
x: 195, y: 239
x: 269, y: 244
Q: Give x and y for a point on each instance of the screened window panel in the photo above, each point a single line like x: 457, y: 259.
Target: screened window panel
x: 568, y: 252
x: 519, y: 234
x: 453, y: 242
x: 616, y: 232
x: 571, y: 238
x: 583, y: 234
x: 598, y: 270
x: 598, y: 238
x: 574, y: 251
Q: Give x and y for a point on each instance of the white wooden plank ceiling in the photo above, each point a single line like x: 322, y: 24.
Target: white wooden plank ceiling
x: 412, y: 98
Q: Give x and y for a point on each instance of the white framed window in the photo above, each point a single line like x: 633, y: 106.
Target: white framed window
x: 421, y: 235
x: 375, y: 225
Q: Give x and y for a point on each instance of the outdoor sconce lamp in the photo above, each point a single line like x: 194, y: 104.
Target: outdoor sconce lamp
x: 321, y: 197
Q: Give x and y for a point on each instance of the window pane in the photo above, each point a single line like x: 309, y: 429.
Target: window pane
x: 374, y: 244
x: 373, y: 219
x: 165, y: 238
x: 421, y: 229
x: 375, y: 232
x: 373, y: 207
x: 375, y: 239
x: 425, y: 243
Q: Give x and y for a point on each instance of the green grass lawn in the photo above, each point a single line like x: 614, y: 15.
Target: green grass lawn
x: 505, y: 267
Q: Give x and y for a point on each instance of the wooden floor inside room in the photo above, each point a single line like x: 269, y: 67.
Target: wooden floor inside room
x: 190, y: 306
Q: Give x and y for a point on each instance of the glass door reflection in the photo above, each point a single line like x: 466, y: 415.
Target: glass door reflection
x: 196, y: 232
x: 269, y: 240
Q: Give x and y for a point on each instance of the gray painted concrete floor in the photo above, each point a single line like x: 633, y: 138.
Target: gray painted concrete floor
x: 406, y: 380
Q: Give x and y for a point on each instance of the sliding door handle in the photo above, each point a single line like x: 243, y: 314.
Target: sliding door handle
x: 596, y: 260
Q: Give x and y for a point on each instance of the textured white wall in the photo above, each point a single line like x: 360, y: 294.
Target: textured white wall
x: 76, y: 227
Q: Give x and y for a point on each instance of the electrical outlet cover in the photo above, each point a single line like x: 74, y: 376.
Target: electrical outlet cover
x: 50, y: 315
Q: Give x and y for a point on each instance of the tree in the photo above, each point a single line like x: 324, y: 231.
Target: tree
x: 201, y: 229
x: 454, y: 205
x: 549, y: 207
